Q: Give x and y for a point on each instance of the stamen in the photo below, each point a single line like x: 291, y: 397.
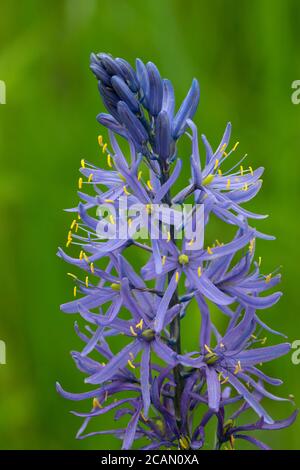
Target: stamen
x: 96, y: 403
x: 251, y: 171
x: 80, y: 181
x: 163, y: 260
x: 104, y: 148
x: 199, y: 271
x: 100, y: 140
x: 208, y: 349
x: 82, y: 163
x: 92, y: 268
x: 149, y: 185
x: 73, y: 224
x: 228, y: 184
x: 132, y: 331
x: 209, y: 250
x: 140, y: 324
x: 209, y: 179
x: 139, y: 175
x: 268, y: 278
x: 177, y: 277
x: 72, y: 275
x: 75, y: 291
x: 130, y: 364
x: 112, y: 220
x: 216, y: 164
x: 87, y: 281
x: 90, y: 177
x: 111, y: 201
x: 235, y: 146
x: 242, y: 170
x: 126, y: 190
x: 109, y: 162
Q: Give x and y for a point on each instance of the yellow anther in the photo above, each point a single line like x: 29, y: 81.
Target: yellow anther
x: 73, y: 224
x: 126, y: 190
x: 184, y: 442
x: 69, y: 235
x: 235, y: 146
x: 241, y: 170
x: 253, y: 337
x: 225, y: 154
x: 225, y: 381
x: 108, y: 159
x: 149, y: 185
x: 251, y: 171
x: 121, y: 177
x: 228, y: 184
x: 220, y: 376
x: 251, y: 245
x: 80, y: 181
x: 140, y: 324
x: 69, y: 242
x: 143, y: 417
x: 264, y: 340
x: 183, y: 259
x: 112, y: 220
x: 216, y: 164
x: 259, y: 260
x: 86, y: 258
x: 82, y: 163
x: 199, y: 271
x: 245, y: 187
x: 115, y: 286
x: 268, y: 278
x: 87, y: 281
x: 238, y: 367
x: 209, y: 250
x: 96, y: 403
x: 130, y: 364
x: 111, y: 201
x: 163, y: 260
x: 209, y: 179
x: 191, y: 242
x: 129, y: 222
x: 149, y: 208
x: 92, y: 268
x: 75, y: 291
x: 177, y: 276
x: 72, y: 275
x: 104, y: 148
x: 219, y: 172
x: 90, y: 177
x: 81, y: 255
x: 131, y: 356
x: 76, y: 227
x: 232, y: 441
x: 100, y: 140
x: 168, y: 237
x: 208, y: 349
x: 139, y: 175
x: 223, y: 147
x: 132, y: 331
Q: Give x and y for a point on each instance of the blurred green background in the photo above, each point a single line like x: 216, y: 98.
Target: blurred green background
x: 245, y: 55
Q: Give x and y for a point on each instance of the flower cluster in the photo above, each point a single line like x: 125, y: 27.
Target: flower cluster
x: 162, y: 396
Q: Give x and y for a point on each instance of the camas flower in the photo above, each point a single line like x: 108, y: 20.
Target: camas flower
x: 166, y: 406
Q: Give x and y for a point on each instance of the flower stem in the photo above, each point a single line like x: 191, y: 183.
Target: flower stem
x: 175, y: 324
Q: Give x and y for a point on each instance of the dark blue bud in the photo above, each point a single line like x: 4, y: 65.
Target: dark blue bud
x: 110, y: 64
x: 155, y: 89
x: 132, y: 124
x: 186, y: 110
x: 125, y: 94
x: 110, y: 100
x: 111, y: 123
x: 163, y: 135
x: 143, y: 79
x: 168, y: 103
x: 128, y: 74
x: 98, y: 70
